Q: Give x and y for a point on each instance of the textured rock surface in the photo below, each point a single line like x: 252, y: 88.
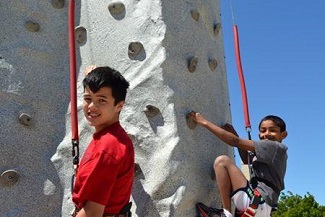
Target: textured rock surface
x: 152, y: 42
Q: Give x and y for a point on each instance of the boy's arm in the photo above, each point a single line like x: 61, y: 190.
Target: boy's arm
x: 243, y: 156
x: 91, y: 209
x: 242, y: 153
x: 222, y: 134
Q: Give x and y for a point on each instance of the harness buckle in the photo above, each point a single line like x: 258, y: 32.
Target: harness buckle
x: 251, y: 210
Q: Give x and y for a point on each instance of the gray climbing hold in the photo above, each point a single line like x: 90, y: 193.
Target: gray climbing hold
x: 9, y: 178
x: 58, y: 4
x: 81, y: 35
x: 195, y: 15
x: 151, y: 111
x: 216, y: 29
x: 192, y: 63
x: 213, y: 64
x: 32, y: 26
x: 25, y: 119
x: 117, y: 10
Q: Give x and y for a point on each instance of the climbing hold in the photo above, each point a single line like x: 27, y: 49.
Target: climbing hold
x: 213, y: 64
x: 190, y: 123
x: 81, y: 35
x: 151, y: 111
x: 32, y: 26
x: 192, y: 63
x: 117, y: 10
x: 25, y: 119
x: 57, y: 3
x: 195, y: 15
x: 216, y: 29
x: 9, y: 178
x: 135, y: 49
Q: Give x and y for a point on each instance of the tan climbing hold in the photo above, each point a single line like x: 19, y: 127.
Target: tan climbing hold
x: 216, y: 29
x: 9, y: 178
x: 116, y: 8
x: 192, y: 63
x: 81, y: 35
x: 135, y: 48
x: 190, y: 122
x: 213, y: 64
x: 25, y: 119
x: 58, y: 4
x: 89, y: 69
x: 195, y: 15
x: 151, y: 111
x: 32, y: 26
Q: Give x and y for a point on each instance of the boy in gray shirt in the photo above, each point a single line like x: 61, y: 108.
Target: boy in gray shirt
x: 269, y: 161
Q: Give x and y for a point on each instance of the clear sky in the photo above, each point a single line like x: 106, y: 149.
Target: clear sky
x: 283, y: 57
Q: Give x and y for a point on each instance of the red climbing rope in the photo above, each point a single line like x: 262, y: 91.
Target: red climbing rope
x: 73, y: 85
x: 241, y: 77
x: 243, y: 88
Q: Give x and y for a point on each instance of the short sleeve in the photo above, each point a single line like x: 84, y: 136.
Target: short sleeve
x: 102, y: 172
x: 268, y: 151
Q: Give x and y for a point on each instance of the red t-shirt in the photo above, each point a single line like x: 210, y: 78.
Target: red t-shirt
x: 106, y: 170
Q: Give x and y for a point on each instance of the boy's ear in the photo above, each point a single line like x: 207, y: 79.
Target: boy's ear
x: 284, y: 134
x: 120, y: 105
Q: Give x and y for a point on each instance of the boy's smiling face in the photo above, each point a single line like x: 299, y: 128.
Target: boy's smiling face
x: 99, y: 108
x: 270, y: 131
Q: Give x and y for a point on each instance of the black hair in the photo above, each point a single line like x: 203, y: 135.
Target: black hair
x: 277, y: 120
x: 107, y: 77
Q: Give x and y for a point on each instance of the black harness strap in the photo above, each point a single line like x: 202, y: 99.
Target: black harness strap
x: 255, y: 179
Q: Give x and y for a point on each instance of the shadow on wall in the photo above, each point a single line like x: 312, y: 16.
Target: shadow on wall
x: 142, y: 200
x: 34, y: 95
x: 29, y: 182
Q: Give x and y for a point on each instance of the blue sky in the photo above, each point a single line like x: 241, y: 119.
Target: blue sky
x: 283, y: 57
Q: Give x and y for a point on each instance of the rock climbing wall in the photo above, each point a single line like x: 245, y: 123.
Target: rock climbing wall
x: 172, y: 54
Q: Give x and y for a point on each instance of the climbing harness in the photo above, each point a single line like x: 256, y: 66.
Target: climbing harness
x: 125, y: 212
x: 206, y: 211
x: 251, y: 210
x: 73, y: 87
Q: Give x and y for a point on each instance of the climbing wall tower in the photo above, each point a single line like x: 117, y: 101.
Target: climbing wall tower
x: 172, y: 54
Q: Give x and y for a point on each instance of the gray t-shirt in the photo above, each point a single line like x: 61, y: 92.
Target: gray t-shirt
x: 270, y: 163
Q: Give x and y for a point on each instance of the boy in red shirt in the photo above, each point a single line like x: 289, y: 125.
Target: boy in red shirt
x: 105, y: 175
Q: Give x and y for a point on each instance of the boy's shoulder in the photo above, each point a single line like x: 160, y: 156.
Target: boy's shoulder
x: 269, y: 144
